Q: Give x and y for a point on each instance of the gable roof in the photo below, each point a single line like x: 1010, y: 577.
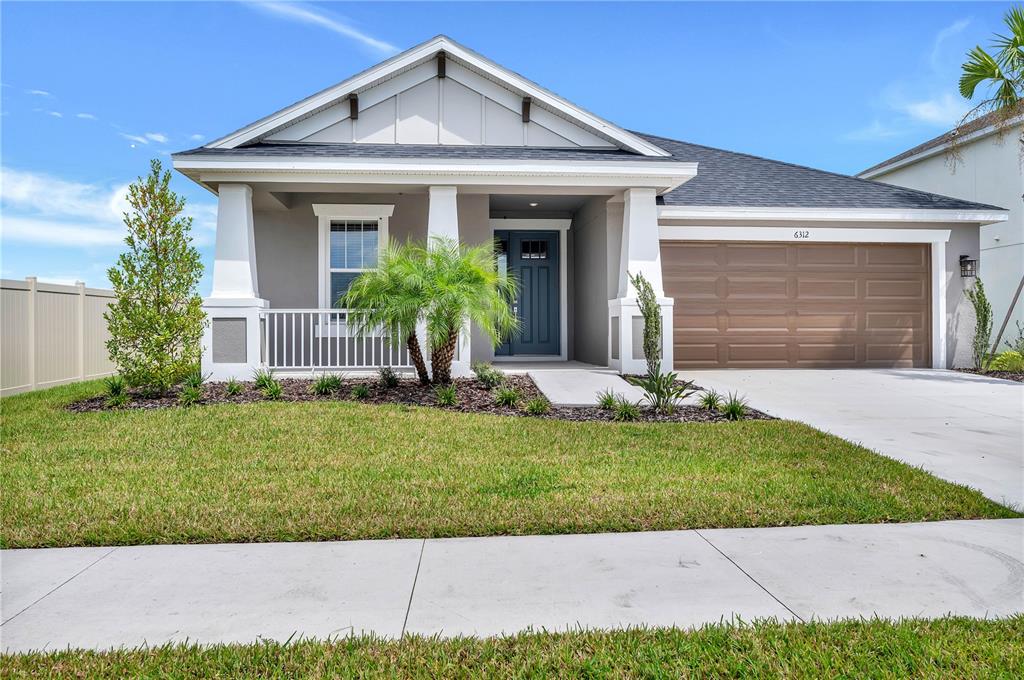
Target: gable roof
x: 731, y: 179
x: 417, y: 55
x: 980, y: 125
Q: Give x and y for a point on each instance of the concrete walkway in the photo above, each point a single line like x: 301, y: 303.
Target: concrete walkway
x: 580, y: 387
x: 110, y: 597
x: 964, y: 428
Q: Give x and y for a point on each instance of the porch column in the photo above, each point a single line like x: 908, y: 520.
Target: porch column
x: 640, y: 253
x: 443, y: 221
x: 232, y: 340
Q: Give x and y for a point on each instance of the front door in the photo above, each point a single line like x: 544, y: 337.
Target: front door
x: 532, y: 257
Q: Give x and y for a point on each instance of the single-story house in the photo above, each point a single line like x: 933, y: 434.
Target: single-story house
x: 985, y: 166
x: 757, y: 263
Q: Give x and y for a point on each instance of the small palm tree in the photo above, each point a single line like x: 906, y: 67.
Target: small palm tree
x: 393, y: 297
x: 463, y: 285
x: 1003, y: 72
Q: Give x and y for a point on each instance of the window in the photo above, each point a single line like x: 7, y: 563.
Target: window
x: 354, y: 245
x: 351, y: 237
x: 534, y: 250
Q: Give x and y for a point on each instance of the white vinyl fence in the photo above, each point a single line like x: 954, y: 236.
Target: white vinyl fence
x: 51, y: 334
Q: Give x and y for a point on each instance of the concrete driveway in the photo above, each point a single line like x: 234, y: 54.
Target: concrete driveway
x: 960, y: 427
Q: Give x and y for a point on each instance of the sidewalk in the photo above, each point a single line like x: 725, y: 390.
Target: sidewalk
x: 110, y: 597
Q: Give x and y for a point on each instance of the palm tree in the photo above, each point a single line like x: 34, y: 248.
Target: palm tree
x: 463, y: 285
x: 393, y: 297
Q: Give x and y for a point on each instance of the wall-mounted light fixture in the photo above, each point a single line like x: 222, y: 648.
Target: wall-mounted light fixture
x: 968, y: 267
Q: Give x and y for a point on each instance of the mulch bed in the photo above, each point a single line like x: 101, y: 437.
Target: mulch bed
x: 1002, y: 375
x: 473, y: 397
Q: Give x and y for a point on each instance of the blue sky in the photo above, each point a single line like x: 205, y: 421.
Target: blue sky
x: 91, y: 91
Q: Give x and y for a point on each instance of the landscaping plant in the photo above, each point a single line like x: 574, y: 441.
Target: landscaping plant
x: 710, y: 400
x: 606, y: 399
x: 156, y: 320
x: 733, y: 407
x: 262, y: 377
x: 117, y: 391
x: 194, y: 378
x: 625, y: 410
x: 272, y: 390
x: 232, y: 387
x: 506, y: 396
x: 651, y: 311
x: 982, y: 323
x: 388, y: 377
x: 361, y: 391
x: 489, y: 376
x: 538, y: 406
x: 1010, y: 361
x: 325, y: 385
x: 446, y: 395
x: 190, y: 395
x: 663, y: 390
x: 1017, y: 344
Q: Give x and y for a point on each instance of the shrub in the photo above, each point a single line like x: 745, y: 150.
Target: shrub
x: 326, y: 384
x: 361, y: 391
x: 651, y: 311
x: 118, y: 401
x: 262, y: 377
x: 1016, y: 344
x: 232, y: 388
x: 662, y: 390
x: 625, y: 410
x: 388, y: 377
x: 190, y: 395
x: 982, y: 323
x: 1008, y: 361
x: 115, y: 385
x: 446, y: 395
x: 272, y: 390
x: 710, y: 400
x: 194, y: 378
x: 488, y: 376
x: 733, y: 407
x: 538, y: 406
x: 156, y: 321
x: 506, y: 396
x: 606, y: 399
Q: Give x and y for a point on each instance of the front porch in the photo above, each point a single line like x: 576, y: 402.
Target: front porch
x: 286, y: 252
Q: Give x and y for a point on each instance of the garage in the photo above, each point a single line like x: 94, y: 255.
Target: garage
x: 799, y: 305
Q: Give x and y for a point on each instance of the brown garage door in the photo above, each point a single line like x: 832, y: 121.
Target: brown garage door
x: 782, y: 305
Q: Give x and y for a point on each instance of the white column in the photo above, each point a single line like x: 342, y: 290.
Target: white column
x: 640, y: 253
x: 235, y: 297
x: 443, y: 221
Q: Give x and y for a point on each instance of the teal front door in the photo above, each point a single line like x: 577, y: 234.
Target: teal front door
x: 532, y: 257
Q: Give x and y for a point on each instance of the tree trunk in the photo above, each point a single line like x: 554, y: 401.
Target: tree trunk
x: 413, y: 343
x: 441, y: 359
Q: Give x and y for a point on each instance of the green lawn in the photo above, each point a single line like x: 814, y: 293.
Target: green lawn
x: 341, y: 470
x: 946, y: 648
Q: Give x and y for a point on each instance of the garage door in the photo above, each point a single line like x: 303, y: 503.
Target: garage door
x: 783, y: 305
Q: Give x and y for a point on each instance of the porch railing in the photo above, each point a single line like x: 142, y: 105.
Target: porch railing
x: 324, y: 339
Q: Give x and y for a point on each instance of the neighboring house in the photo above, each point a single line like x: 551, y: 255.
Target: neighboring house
x: 757, y: 263
x: 987, y: 168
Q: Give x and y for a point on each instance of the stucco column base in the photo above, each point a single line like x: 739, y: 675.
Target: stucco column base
x: 626, y: 340
x: 237, y: 323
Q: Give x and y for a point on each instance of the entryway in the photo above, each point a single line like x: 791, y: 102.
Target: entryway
x: 534, y: 258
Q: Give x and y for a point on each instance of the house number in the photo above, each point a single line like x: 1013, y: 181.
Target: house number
x: 801, y: 234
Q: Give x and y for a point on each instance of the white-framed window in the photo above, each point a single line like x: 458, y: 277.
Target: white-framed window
x: 351, y: 239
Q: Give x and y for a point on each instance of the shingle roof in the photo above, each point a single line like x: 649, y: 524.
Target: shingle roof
x: 727, y: 178
x: 724, y: 178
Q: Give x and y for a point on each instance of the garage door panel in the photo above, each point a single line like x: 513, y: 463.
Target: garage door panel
x: 799, y: 305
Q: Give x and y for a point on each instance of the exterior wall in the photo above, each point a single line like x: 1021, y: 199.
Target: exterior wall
x: 286, y: 243
x: 591, y: 279
x: 51, y: 335
x: 963, y: 240
x: 991, y: 173
x: 474, y: 212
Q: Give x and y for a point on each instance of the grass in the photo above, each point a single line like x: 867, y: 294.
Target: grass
x: 944, y: 648
x: 277, y: 471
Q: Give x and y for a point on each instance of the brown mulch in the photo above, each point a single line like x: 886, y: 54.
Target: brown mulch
x: 473, y: 397
x: 1015, y: 376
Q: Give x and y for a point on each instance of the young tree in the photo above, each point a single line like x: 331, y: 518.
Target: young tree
x: 651, y: 311
x: 982, y: 323
x: 157, y: 321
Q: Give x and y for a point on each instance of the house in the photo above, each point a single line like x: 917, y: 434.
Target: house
x: 756, y: 263
x: 987, y: 166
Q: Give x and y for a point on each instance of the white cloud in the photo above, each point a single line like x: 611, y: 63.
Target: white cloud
x: 943, y: 111
x: 39, y: 93
x: 86, y: 116
x: 197, y: 137
x: 158, y: 137
x: 302, y: 13
x: 138, y: 139
x: 55, y: 114
x: 877, y: 130
x: 43, y: 209
x: 942, y: 36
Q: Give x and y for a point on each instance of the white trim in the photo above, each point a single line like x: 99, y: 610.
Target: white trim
x: 562, y: 227
x: 326, y: 212
x: 666, y: 212
x: 987, y: 131
x: 936, y: 237
x: 412, y: 57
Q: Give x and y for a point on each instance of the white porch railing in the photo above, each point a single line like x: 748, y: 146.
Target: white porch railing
x: 321, y: 339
